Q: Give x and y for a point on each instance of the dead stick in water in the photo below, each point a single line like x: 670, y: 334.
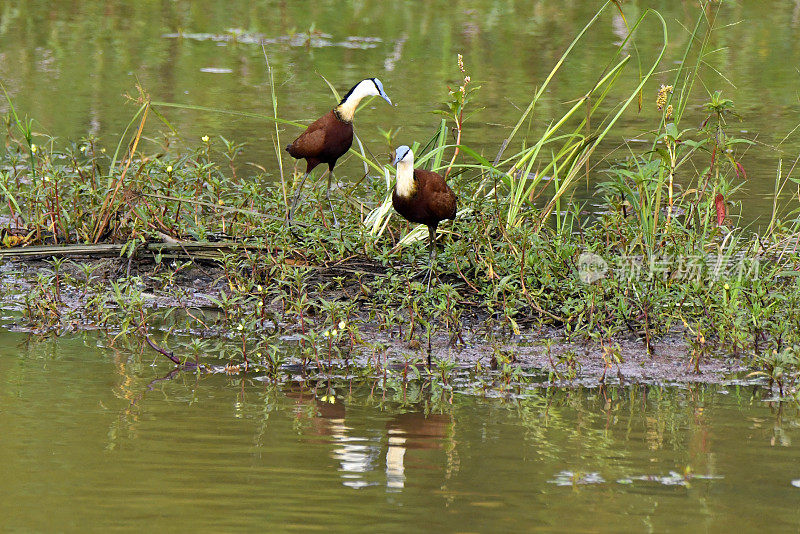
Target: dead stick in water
x: 168, y: 354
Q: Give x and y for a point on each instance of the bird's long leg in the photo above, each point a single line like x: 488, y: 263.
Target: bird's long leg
x: 432, y: 255
x: 328, y: 196
x: 297, y: 196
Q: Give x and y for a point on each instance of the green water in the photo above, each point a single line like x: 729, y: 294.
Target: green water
x: 92, y: 440
x: 68, y: 65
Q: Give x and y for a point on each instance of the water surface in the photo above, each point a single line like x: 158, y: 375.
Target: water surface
x: 92, y: 439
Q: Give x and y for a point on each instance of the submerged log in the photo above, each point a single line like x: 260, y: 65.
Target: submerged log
x: 188, y: 249
x: 48, y: 251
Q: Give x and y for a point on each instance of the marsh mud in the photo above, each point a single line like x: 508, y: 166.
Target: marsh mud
x: 197, y: 288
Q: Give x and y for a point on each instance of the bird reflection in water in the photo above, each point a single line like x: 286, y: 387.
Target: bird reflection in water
x: 412, y: 431
x: 358, y: 451
x: 357, y: 455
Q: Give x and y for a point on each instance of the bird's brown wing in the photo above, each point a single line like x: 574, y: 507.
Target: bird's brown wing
x: 440, y: 201
x: 309, y: 145
x: 442, y: 204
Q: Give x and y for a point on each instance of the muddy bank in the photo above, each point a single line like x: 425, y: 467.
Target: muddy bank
x: 578, y: 363
x: 198, y: 288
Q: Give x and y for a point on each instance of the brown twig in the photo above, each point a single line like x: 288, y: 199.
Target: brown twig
x: 168, y: 354
x: 108, y: 202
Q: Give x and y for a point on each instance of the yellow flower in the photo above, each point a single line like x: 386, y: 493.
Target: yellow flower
x: 46, y: 178
x: 334, y: 332
x: 221, y: 202
x: 83, y: 148
x: 726, y: 286
x: 342, y: 324
x: 204, y: 139
x: 33, y: 148
x: 169, y: 168
x: 326, y: 333
x: 240, y: 327
x: 661, y: 98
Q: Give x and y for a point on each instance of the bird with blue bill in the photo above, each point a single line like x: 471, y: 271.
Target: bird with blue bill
x: 422, y: 197
x: 328, y: 138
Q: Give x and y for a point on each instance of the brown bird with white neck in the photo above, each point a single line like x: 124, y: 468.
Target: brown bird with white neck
x: 330, y: 137
x: 422, y: 197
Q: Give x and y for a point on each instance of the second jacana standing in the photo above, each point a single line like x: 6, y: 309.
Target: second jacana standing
x: 330, y: 137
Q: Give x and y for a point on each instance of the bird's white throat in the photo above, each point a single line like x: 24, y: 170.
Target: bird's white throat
x: 347, y: 109
x: 405, y: 179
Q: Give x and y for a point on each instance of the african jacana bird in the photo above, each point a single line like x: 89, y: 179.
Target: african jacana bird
x: 329, y: 137
x: 422, y: 197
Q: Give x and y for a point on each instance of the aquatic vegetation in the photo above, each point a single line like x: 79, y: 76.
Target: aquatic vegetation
x: 207, y: 264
